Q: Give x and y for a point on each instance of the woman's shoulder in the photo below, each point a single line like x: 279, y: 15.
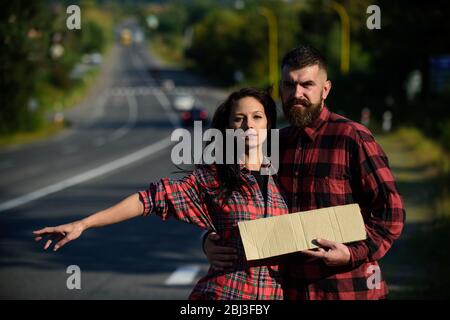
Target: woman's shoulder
x: 206, y: 176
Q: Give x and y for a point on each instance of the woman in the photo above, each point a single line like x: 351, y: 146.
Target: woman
x: 214, y: 197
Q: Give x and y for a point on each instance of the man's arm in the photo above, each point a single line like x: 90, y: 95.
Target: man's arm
x: 221, y: 258
x: 379, y: 199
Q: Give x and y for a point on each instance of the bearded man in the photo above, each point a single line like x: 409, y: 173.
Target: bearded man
x: 328, y: 160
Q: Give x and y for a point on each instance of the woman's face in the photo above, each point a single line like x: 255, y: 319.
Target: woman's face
x: 248, y: 114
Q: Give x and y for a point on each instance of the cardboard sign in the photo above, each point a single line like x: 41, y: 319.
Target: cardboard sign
x: 273, y: 236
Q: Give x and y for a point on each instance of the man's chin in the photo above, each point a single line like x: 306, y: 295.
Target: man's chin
x: 301, y: 116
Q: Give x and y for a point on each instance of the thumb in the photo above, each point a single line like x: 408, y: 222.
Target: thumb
x: 326, y: 243
x: 214, y: 236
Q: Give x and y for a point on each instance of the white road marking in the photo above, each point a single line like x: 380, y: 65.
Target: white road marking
x: 160, y: 95
x: 183, y: 275
x: 116, y: 164
x: 164, y: 101
x: 151, y: 89
x: 86, y: 176
x: 99, y: 110
x: 132, y: 118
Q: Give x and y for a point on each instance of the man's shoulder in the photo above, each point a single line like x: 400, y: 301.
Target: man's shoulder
x: 340, y: 125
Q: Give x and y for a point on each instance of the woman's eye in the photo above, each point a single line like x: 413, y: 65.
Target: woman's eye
x: 237, y: 119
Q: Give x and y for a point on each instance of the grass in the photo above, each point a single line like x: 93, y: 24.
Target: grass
x: 56, y: 99
x: 48, y: 130
x: 418, y: 263
x: 425, y: 150
x: 414, y: 161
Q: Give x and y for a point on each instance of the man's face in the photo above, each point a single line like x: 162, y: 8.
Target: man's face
x: 302, y: 93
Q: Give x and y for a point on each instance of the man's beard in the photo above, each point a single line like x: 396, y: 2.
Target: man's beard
x: 302, y: 117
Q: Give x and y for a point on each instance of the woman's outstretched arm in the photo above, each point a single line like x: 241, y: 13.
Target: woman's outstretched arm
x: 128, y: 208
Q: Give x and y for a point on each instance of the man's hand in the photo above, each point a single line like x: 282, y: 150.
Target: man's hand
x: 220, y: 258
x: 332, y: 253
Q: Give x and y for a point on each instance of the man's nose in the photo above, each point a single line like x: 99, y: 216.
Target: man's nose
x: 299, y: 92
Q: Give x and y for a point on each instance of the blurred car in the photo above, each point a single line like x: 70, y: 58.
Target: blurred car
x: 126, y: 37
x: 168, y: 85
x: 183, y: 102
x: 96, y: 58
x: 195, y: 114
x: 138, y: 36
x: 92, y: 59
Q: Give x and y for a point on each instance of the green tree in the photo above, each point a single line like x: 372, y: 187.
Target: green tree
x: 24, y: 43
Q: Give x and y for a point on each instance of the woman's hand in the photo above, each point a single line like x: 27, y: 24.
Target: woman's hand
x: 221, y: 258
x: 61, y: 234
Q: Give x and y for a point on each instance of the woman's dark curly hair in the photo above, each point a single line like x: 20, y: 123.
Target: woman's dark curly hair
x: 229, y: 174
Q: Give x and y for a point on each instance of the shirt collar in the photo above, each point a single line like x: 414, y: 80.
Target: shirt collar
x: 265, y: 164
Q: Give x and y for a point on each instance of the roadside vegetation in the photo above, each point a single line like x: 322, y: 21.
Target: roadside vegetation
x: 48, y: 66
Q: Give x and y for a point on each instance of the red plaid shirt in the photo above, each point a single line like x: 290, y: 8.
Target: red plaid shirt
x: 333, y: 162
x: 195, y: 199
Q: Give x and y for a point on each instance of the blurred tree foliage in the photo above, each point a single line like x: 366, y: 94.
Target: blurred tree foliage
x: 93, y: 38
x: 23, y: 45
x: 38, y: 55
x: 173, y: 20
x: 229, y: 38
x: 222, y: 45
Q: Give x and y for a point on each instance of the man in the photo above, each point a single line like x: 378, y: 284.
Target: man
x: 327, y: 160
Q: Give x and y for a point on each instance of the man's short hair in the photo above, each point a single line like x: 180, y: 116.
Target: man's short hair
x: 303, y: 56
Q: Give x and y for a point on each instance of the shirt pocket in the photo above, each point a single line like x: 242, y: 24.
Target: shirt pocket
x: 328, y: 189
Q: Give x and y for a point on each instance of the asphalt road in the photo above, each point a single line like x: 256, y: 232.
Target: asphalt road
x: 118, y: 142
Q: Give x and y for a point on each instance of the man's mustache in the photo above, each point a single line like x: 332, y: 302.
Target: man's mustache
x: 302, y: 102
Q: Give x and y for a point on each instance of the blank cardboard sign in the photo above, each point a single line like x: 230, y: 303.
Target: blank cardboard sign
x: 273, y: 236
